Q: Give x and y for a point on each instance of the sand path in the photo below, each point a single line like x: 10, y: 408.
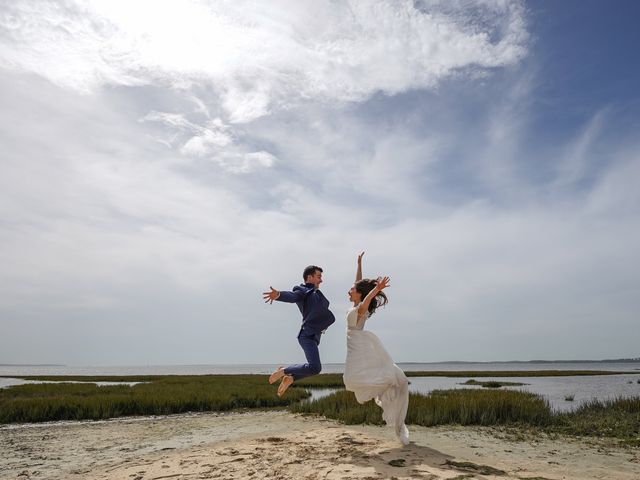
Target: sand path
x: 278, y: 445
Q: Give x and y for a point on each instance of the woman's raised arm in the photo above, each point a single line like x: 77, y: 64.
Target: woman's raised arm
x: 383, y: 282
x: 359, y: 270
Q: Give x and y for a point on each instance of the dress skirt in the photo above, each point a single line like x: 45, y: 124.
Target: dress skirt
x: 371, y: 374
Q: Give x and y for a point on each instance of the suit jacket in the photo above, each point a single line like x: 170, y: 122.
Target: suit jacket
x: 313, y: 305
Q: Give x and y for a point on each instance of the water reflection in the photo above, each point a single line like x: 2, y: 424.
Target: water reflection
x: 317, y: 393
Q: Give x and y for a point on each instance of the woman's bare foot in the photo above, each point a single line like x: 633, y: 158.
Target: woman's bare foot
x: 277, y: 375
x: 287, y: 380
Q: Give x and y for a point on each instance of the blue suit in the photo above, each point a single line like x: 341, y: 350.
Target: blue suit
x: 316, y: 318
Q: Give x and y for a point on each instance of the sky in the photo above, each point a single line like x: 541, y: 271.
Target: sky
x: 164, y: 162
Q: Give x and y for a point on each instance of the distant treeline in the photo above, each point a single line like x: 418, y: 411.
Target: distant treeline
x: 455, y: 362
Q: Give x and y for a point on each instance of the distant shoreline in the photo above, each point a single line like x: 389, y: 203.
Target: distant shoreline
x: 32, y: 365
x: 444, y: 362
x: 619, y: 360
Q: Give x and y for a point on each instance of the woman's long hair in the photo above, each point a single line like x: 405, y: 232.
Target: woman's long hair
x: 364, y: 286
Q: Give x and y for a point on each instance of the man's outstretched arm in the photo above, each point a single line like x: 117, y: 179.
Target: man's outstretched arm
x: 289, y: 297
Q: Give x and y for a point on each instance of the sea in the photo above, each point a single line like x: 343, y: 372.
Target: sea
x: 563, y: 393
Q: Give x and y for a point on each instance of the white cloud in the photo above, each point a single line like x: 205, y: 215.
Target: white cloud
x: 241, y: 61
x: 258, y: 58
x: 206, y: 142
x: 213, y: 141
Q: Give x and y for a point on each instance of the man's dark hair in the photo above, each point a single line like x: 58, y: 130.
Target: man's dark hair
x: 310, y: 270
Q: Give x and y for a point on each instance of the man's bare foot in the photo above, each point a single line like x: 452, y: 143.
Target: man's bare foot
x: 287, y: 380
x: 277, y: 375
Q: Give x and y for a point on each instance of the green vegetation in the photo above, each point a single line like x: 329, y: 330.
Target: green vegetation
x: 618, y: 418
x: 463, y: 407
x: 160, y: 396
x: 325, y: 380
x: 493, y: 384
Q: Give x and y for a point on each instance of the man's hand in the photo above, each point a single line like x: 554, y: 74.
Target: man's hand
x: 270, y: 296
x: 360, y: 258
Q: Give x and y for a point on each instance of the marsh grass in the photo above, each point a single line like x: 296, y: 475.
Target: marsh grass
x: 478, y: 407
x: 325, y: 380
x: 619, y: 418
x: 463, y: 407
x: 158, y: 396
x: 492, y: 384
x: 161, y: 395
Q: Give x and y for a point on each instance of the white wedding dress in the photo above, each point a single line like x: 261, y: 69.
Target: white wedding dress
x: 370, y: 373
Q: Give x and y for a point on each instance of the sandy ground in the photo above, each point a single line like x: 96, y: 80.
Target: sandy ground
x: 278, y: 445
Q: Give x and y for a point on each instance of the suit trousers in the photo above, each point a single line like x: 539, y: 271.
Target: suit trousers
x: 309, y: 344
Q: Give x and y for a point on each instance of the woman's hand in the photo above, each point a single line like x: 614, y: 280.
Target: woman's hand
x: 382, y: 283
x: 359, y: 269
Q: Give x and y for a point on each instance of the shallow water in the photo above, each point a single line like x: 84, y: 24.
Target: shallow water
x: 554, y: 389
